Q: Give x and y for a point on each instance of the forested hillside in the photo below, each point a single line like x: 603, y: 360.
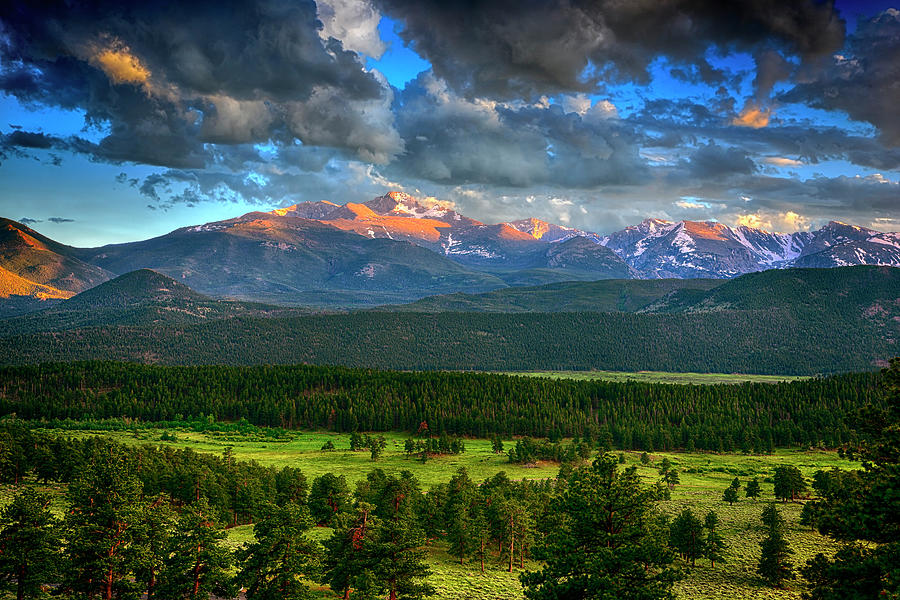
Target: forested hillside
x: 611, y: 295
x: 626, y: 415
x: 762, y: 341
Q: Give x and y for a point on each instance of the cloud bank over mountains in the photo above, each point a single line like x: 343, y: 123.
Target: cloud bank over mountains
x: 591, y: 113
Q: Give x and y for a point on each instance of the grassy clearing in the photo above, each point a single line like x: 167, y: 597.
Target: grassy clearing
x: 660, y: 376
x: 703, y: 479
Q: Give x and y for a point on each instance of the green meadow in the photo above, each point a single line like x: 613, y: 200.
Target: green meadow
x: 660, y: 376
x: 703, y: 479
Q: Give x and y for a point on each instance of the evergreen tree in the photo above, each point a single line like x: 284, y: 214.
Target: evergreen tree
x: 348, y: 564
x: 608, y: 543
x: 328, y: 495
x: 517, y: 530
x: 736, y: 484
x: 397, y: 554
x: 159, y: 521
x: 376, y: 445
x: 459, y: 511
x: 753, y: 488
x: 282, y: 556
x: 105, y: 530
x: 789, y: 483
x: 730, y: 495
x: 862, y: 508
x: 686, y: 536
x: 855, y: 572
x: 664, y: 466
x: 774, y: 564
x: 671, y: 479
x: 497, y: 444
x: 481, y: 533
x: 290, y: 486
x: 715, y: 544
x: 29, y: 545
x: 198, y: 563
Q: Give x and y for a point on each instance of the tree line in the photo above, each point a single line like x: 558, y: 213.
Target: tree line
x: 750, y: 417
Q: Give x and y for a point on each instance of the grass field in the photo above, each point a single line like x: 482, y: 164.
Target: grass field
x: 659, y: 376
x: 703, y: 479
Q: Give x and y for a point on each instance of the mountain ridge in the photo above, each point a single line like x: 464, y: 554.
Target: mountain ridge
x: 397, y: 248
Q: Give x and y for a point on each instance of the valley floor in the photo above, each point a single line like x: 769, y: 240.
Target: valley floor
x: 703, y: 479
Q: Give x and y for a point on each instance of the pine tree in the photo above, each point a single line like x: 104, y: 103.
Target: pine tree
x: 672, y: 479
x: 275, y: 566
x: 753, y: 488
x: 397, y: 554
x: 347, y: 561
x: 863, y: 507
x: 105, y: 529
x: 377, y: 445
x: 715, y: 544
x: 461, y: 495
x: 789, y: 483
x: 686, y: 536
x: 730, y: 495
x: 197, y: 564
x: 609, y: 541
x: 29, y: 545
x: 774, y: 565
x: 481, y: 533
x: 291, y: 486
x: 158, y: 524
x: 328, y: 495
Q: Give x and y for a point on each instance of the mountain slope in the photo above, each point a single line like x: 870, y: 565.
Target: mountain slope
x: 842, y: 295
x: 140, y: 297
x: 790, y: 324
x: 611, y: 295
x: 41, y: 261
x: 290, y: 259
x: 659, y: 248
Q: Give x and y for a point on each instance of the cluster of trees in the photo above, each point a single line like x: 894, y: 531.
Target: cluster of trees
x: 528, y: 450
x: 862, y: 508
x: 115, y: 541
x: 693, y: 539
x: 439, y: 446
x: 120, y: 537
x: 625, y: 415
x: 374, y: 444
x: 805, y: 337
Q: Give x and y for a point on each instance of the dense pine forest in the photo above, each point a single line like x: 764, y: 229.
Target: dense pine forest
x: 772, y: 341
x: 626, y: 415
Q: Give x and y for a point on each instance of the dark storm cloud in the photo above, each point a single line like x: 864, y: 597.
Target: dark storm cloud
x: 863, y: 80
x: 712, y: 161
x: 164, y: 78
x: 452, y: 140
x: 516, y: 48
x: 29, y: 139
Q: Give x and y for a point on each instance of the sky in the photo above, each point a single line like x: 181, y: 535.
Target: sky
x: 122, y: 120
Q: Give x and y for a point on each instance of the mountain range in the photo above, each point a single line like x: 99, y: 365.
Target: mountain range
x: 396, y: 249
